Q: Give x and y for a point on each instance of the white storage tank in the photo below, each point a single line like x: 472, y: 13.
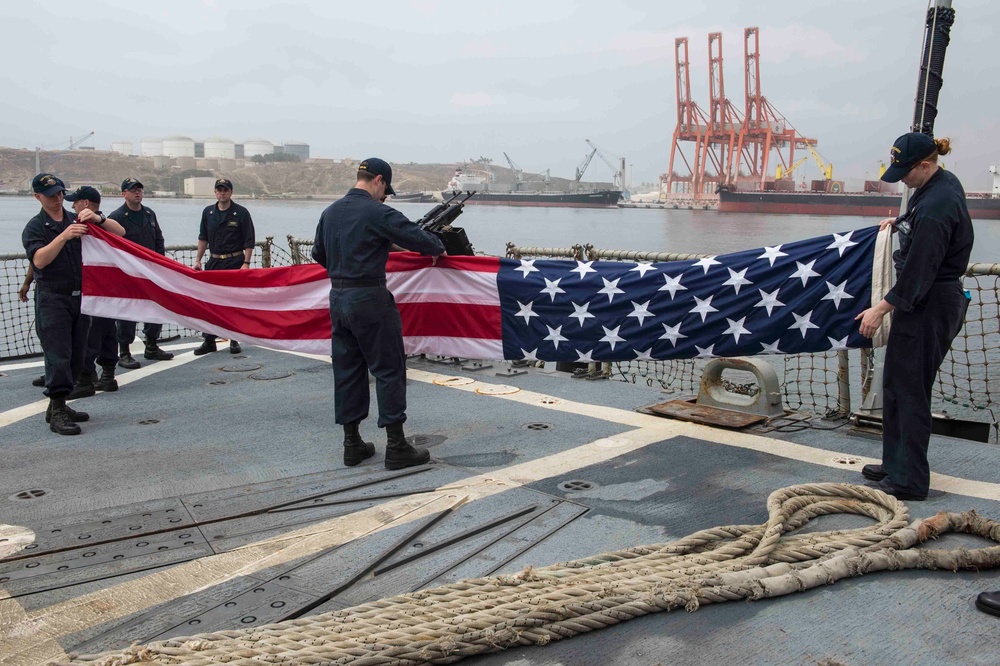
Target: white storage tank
x: 178, y: 146
x: 151, y: 146
x: 253, y: 147
x: 121, y: 147
x: 297, y: 148
x: 220, y: 148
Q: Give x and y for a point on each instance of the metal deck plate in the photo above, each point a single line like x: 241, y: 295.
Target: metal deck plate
x: 462, y: 540
x: 689, y: 411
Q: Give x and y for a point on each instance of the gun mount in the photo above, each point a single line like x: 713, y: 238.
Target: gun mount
x: 438, y: 221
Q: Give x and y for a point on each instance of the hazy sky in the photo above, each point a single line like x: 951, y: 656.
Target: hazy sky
x: 428, y: 81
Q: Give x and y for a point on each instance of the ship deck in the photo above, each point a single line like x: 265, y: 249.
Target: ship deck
x: 208, y: 493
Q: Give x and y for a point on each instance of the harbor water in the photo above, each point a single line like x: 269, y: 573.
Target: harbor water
x: 490, y: 228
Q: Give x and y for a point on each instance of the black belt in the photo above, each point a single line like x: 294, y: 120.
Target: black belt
x: 338, y: 283
x: 228, y: 256
x: 62, y: 291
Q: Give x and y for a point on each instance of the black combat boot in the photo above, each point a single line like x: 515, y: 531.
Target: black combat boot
x: 107, y: 381
x: 399, y: 453
x: 234, y: 347
x: 154, y: 353
x: 74, y: 415
x: 84, y: 386
x: 59, y: 419
x: 356, y: 450
x: 125, y: 359
x: 207, y: 347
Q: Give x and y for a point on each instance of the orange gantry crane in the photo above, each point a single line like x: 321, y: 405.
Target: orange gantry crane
x: 730, y: 149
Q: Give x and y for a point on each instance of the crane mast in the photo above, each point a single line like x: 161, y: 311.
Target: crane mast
x: 72, y: 144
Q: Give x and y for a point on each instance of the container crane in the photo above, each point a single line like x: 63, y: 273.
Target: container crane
x: 824, y: 167
x: 781, y: 172
x: 619, y: 173
x: 72, y: 144
x: 583, y: 165
x: 518, y: 173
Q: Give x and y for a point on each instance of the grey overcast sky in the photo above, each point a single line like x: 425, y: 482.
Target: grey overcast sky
x: 441, y: 81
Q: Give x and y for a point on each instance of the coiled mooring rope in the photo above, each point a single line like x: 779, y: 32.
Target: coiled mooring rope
x: 537, y: 606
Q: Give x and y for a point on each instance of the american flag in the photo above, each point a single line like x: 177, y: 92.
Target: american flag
x: 790, y: 298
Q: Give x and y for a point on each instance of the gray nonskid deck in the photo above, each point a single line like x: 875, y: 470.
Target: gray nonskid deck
x: 261, y: 458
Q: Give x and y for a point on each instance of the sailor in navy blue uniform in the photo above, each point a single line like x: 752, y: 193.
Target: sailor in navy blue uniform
x: 353, y: 241
x: 227, y: 233
x: 142, y: 228
x: 928, y: 305
x: 52, y: 241
x: 101, y: 339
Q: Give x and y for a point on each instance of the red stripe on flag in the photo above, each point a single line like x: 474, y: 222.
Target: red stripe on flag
x: 400, y: 262
x: 453, y: 320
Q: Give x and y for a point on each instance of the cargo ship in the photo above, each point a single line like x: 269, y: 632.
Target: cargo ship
x: 487, y: 194
x: 982, y: 205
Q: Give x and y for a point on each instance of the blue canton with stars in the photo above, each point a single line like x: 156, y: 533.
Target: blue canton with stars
x: 788, y: 299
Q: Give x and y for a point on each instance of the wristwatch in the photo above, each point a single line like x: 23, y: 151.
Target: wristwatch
x: 104, y: 218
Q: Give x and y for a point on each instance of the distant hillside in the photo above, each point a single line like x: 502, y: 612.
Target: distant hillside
x: 320, y: 178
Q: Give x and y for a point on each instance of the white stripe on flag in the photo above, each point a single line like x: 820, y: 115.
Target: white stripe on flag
x: 154, y: 313
x: 444, y: 285
x: 475, y: 348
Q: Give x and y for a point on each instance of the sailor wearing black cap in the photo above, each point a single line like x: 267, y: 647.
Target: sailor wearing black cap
x: 352, y: 241
x: 928, y: 305
x: 52, y: 242
x: 227, y: 233
x: 101, y: 339
x: 142, y: 228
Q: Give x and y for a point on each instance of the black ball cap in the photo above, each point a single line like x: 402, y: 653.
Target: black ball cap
x: 377, y: 167
x: 47, y: 184
x: 223, y: 184
x: 908, y: 151
x: 130, y: 184
x: 84, y: 193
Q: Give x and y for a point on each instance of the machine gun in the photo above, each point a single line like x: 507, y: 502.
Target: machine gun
x: 438, y: 222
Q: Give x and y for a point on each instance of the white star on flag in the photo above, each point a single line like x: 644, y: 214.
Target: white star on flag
x: 736, y: 329
x: 583, y: 267
x: 772, y: 253
x: 707, y: 352
x: 769, y: 301
x: 805, y: 271
x: 530, y: 355
x: 611, y: 336
x: 841, y: 242
x: 611, y: 288
x: 770, y: 348
x: 527, y: 266
x: 580, y: 312
x: 526, y: 312
x: 641, y: 311
x: 838, y: 345
x: 802, y: 323
x: 673, y: 285
x: 837, y: 294
x: 736, y: 280
x: 582, y: 357
x: 552, y: 288
x: 644, y: 355
x: 672, y: 333
x: 707, y: 262
x: 555, y: 336
x: 643, y: 267
x: 703, y: 307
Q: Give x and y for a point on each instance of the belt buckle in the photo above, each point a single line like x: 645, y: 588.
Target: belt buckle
x: 76, y: 293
